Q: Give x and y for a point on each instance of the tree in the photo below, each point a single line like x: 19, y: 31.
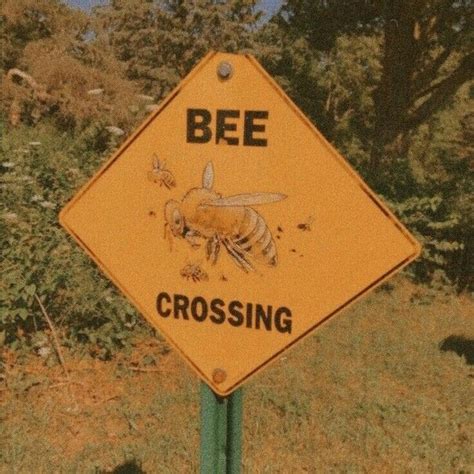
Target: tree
x: 25, y: 21
x: 160, y: 41
x: 321, y: 22
x: 442, y: 155
x: 54, y: 66
x: 426, y: 59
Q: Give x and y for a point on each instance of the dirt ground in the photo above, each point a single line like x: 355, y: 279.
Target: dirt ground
x: 377, y: 389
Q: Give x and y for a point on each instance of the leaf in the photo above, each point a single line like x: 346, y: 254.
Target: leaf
x: 22, y: 313
x: 149, y: 360
x: 30, y: 289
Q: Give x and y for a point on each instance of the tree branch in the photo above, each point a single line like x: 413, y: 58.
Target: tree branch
x: 57, y: 346
x: 39, y: 89
x: 443, y: 91
x: 425, y: 77
x: 26, y: 77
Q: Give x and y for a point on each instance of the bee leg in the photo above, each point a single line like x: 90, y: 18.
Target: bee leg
x: 192, y: 239
x: 238, y: 256
x: 168, y: 236
x: 212, y: 249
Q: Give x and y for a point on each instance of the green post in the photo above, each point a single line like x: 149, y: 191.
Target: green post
x: 234, y: 432
x: 221, y: 432
x: 208, y: 430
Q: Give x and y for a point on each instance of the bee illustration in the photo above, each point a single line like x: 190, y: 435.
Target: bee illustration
x: 160, y: 174
x: 204, y: 214
x: 193, y: 271
x: 306, y: 226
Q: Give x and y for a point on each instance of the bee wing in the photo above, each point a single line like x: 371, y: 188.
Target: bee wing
x: 156, y: 162
x: 208, y: 176
x: 252, y: 199
x: 152, y: 177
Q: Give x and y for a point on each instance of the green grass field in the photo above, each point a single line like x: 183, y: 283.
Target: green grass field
x: 371, y: 391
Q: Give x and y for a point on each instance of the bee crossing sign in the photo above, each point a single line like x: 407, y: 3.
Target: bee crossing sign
x: 231, y: 223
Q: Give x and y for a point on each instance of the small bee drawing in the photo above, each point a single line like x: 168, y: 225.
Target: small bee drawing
x: 204, y: 214
x: 306, y: 226
x: 194, y: 272
x: 160, y: 174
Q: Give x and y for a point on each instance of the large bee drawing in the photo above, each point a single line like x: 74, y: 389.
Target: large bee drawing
x: 204, y: 214
x: 160, y: 174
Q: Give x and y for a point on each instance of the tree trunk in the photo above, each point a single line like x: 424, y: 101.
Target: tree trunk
x: 393, y: 97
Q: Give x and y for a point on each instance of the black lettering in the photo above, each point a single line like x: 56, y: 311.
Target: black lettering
x: 196, y: 314
x: 219, y: 315
x: 222, y: 126
x: 202, y: 125
x: 159, y: 304
x: 250, y: 127
x: 260, y: 315
x: 181, y: 304
x: 256, y: 316
x: 236, y: 317
x: 283, y: 325
x: 249, y: 315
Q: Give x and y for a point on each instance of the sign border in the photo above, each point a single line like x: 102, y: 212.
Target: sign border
x: 341, y: 161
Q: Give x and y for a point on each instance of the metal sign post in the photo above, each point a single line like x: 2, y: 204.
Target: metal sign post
x: 221, y: 432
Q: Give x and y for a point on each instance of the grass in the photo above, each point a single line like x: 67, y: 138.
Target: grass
x: 370, y: 391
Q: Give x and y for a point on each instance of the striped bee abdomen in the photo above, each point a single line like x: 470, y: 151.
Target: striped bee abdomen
x: 254, y: 238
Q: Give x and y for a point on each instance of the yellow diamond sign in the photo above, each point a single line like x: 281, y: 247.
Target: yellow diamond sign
x: 231, y: 223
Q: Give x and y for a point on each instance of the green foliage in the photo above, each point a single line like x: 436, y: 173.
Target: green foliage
x: 160, y: 41
x: 441, y: 162
x: 323, y: 22
x: 334, y: 88
x: 289, y: 59
x: 440, y: 210
x: 59, y: 70
x: 349, y: 74
x: 40, y: 169
x: 437, y: 228
x: 426, y: 58
x: 26, y: 21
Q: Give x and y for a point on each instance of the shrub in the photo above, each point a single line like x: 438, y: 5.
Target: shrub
x: 40, y: 169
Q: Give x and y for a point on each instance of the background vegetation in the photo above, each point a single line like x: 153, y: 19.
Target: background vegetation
x: 369, y: 392
x: 389, y: 83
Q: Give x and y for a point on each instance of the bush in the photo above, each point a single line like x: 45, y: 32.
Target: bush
x: 40, y: 170
x: 440, y: 231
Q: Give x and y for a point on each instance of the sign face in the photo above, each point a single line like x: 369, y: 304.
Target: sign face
x: 232, y: 225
